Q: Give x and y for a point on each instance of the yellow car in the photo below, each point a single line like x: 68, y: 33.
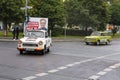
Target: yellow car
x: 98, y: 38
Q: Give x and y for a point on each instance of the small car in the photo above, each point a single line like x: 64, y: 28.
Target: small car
x: 35, y: 41
x: 98, y: 38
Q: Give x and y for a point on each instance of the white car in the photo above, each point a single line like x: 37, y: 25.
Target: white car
x: 35, y: 41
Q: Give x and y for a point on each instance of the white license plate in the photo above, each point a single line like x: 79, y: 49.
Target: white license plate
x: 27, y: 49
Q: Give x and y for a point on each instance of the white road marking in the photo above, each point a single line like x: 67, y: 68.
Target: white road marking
x: 62, y: 67
x: 101, y: 57
x: 117, y: 65
x: 113, y: 66
x: 107, y: 69
x: 77, y: 63
x: 73, y: 64
x: 102, y: 73
x: 41, y: 74
x: 53, y: 71
x: 94, y: 77
x: 29, y: 78
x: 70, y: 65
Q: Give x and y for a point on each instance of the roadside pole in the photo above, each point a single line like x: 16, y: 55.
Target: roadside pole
x: 26, y: 14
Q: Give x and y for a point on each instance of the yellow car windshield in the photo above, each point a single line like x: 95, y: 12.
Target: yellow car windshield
x: 95, y: 34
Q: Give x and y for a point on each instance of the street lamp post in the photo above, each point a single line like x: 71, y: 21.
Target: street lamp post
x: 26, y: 9
x: 26, y: 13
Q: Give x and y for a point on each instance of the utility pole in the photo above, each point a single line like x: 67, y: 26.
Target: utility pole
x: 26, y: 14
x: 26, y: 11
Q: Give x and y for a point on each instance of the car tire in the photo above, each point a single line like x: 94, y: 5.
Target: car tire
x: 98, y: 42
x: 48, y: 50
x: 87, y: 43
x: 108, y: 42
x: 21, y: 52
x: 44, y: 50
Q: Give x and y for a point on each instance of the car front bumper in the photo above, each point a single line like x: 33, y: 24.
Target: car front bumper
x: 29, y: 49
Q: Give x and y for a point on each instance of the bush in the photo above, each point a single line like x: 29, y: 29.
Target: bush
x: 72, y: 32
x: 57, y: 31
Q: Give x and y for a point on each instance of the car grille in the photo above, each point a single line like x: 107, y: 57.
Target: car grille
x: 30, y: 45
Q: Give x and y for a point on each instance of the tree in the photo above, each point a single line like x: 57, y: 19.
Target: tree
x: 10, y: 12
x: 73, y: 12
x: 51, y: 9
x: 115, y: 13
x: 89, y: 13
x: 114, y: 30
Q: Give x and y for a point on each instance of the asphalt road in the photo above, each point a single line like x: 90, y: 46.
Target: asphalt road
x: 66, y: 61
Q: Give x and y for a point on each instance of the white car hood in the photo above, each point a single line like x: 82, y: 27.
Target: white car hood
x: 34, y: 40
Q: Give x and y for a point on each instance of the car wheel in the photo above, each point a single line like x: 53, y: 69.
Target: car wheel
x: 48, y: 50
x: 44, y: 50
x: 98, y: 42
x: 108, y: 42
x: 21, y: 52
x: 87, y: 43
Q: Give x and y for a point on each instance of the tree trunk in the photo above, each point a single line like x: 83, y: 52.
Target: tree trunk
x: 5, y: 27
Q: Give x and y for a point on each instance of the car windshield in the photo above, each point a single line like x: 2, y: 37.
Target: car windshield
x: 104, y: 34
x: 35, y: 34
x: 95, y: 34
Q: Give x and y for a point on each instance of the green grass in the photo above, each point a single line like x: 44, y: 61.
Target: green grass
x: 9, y: 34
x: 62, y: 36
x: 116, y: 35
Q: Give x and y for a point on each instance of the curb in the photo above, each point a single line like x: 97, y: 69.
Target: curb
x: 53, y: 40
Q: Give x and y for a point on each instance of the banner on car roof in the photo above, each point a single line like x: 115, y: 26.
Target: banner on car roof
x: 35, y: 23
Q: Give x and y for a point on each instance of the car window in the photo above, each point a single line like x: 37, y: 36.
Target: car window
x: 35, y: 34
x: 46, y: 34
x: 95, y: 34
x: 104, y: 34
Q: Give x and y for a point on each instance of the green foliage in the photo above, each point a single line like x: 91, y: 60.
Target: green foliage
x: 115, y: 14
x: 73, y: 12
x: 114, y: 30
x: 88, y: 13
x: 57, y: 31
x: 10, y: 34
x: 10, y: 11
x: 51, y: 9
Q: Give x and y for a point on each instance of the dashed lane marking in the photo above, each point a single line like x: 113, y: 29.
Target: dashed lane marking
x: 41, y: 74
x: 62, y: 67
x: 29, y: 78
x: 102, y: 73
x: 76, y: 63
x: 70, y: 65
x: 73, y: 64
x: 53, y: 71
x: 113, y: 67
x: 105, y: 71
x: 94, y: 77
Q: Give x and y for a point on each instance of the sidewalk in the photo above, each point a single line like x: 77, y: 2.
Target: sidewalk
x: 9, y: 39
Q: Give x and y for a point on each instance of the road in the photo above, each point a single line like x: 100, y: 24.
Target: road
x: 66, y: 61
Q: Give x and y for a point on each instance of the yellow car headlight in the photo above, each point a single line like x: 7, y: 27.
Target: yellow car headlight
x: 40, y: 43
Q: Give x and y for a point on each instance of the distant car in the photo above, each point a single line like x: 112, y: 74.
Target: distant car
x: 98, y: 38
x: 35, y: 41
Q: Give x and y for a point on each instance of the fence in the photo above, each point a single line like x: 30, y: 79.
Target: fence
x: 71, y: 32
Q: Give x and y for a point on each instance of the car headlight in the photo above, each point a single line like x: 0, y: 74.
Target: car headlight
x: 40, y: 43
x: 19, y: 42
